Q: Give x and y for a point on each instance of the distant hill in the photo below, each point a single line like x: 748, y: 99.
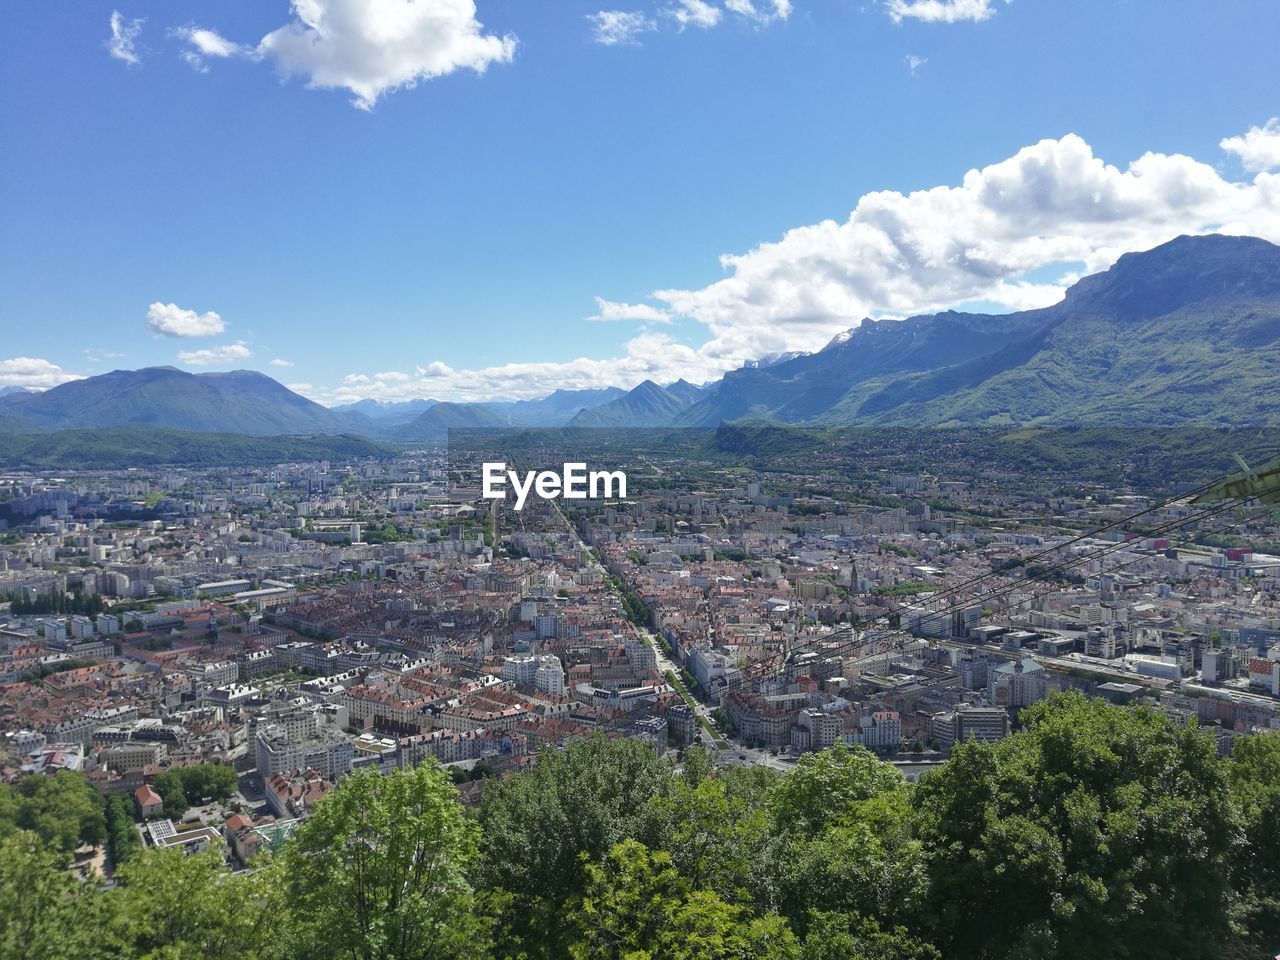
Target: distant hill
x: 806, y: 387
x: 246, y: 402
x: 554, y: 410
x: 435, y: 423
x: 241, y: 401
x: 648, y: 405
x: 557, y: 409
x: 134, y: 446
x: 1186, y: 333
x: 386, y: 410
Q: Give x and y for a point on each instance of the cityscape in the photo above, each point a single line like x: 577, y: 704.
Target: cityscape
x: 419, y: 540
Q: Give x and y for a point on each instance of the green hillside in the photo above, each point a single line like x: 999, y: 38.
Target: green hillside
x: 122, y: 447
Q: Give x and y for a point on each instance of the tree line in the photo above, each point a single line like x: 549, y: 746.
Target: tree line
x: 56, y: 602
x: 1097, y: 831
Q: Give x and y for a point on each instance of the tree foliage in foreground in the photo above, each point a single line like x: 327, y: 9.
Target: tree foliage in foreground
x: 1096, y: 832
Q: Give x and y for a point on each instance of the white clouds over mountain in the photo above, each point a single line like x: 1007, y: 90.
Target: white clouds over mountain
x: 1259, y: 149
x: 648, y: 355
x: 216, y: 355
x: 171, y: 320
x: 1050, y: 204
x: 369, y: 47
x: 33, y: 374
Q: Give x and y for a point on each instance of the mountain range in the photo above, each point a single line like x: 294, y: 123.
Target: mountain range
x: 1186, y: 333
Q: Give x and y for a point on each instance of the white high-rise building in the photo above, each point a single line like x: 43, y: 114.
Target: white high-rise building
x: 549, y: 677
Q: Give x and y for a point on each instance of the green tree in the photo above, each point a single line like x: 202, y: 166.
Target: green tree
x: 216, y: 781
x: 576, y: 805
x: 45, y: 913
x: 64, y: 810
x: 838, y: 936
x: 715, y: 838
x: 636, y: 906
x: 169, y: 785
x: 1097, y: 832
x: 381, y: 871
x: 866, y: 864
x: 178, y: 906
x: 828, y: 786
x: 123, y: 841
x: 696, y: 765
x: 1254, y: 774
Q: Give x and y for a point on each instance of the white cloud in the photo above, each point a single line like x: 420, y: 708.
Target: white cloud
x: 99, y: 356
x: 215, y: 355
x: 1000, y: 235
x: 614, y: 27
x: 369, y: 47
x: 653, y: 356
x: 1259, y: 149
x: 614, y: 310
x: 767, y: 12
x: 277, y: 362
x: 434, y: 369
x: 33, y: 374
x: 695, y: 13
x: 122, y: 44
x: 209, y: 43
x: 942, y: 11
x: 171, y: 320
x: 1053, y: 202
x: 914, y: 63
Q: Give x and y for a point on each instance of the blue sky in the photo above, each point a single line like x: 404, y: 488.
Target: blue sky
x: 450, y: 238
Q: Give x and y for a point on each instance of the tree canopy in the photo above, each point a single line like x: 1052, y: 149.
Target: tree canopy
x: 1096, y: 831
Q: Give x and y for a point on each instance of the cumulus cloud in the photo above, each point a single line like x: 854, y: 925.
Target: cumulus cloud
x: 277, y: 362
x: 613, y: 27
x: 1259, y: 149
x: 122, y: 44
x: 614, y: 310
x: 914, y: 63
x: 653, y: 356
x: 171, y: 320
x: 33, y: 374
x: 212, y: 356
x: 1052, y: 202
x: 369, y: 47
x: 695, y: 13
x: 1015, y: 233
x: 767, y: 11
x: 941, y: 11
